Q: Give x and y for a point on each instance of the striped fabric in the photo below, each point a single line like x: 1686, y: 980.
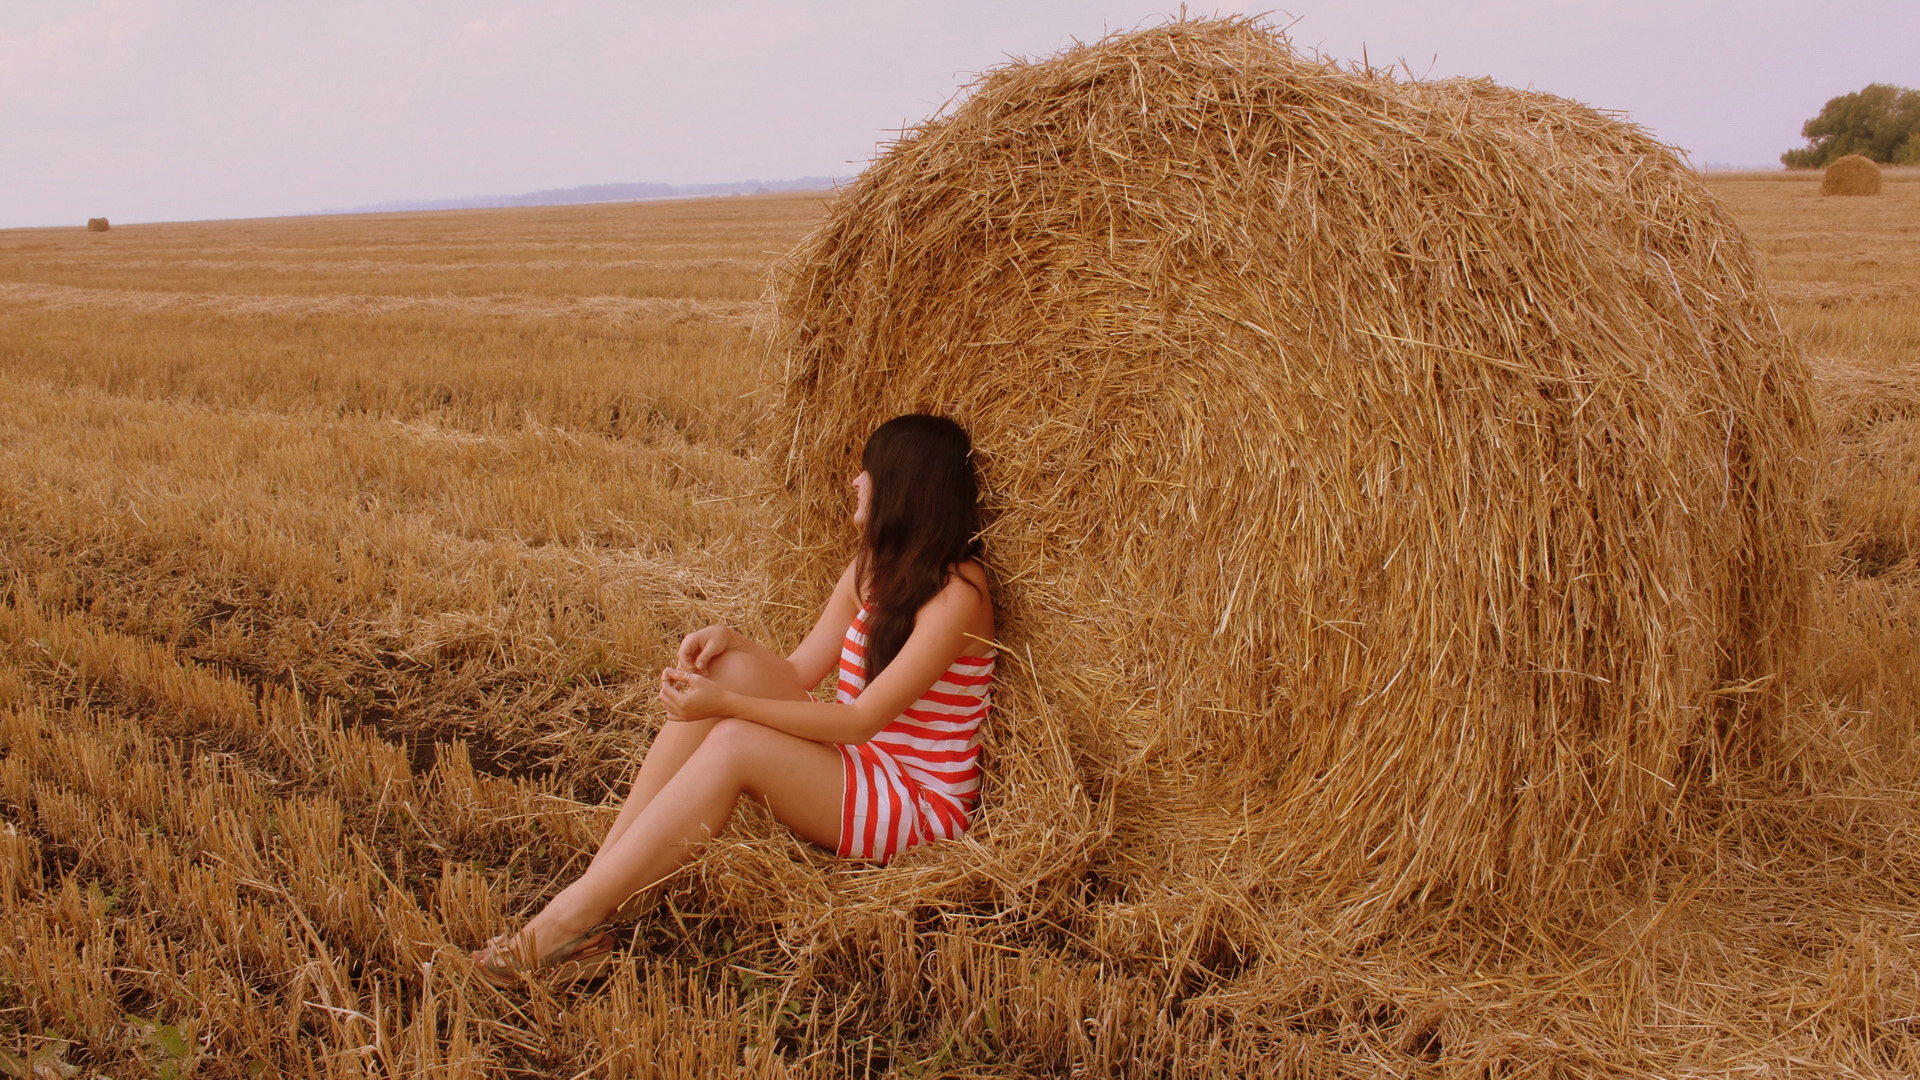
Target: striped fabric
x: 918, y: 779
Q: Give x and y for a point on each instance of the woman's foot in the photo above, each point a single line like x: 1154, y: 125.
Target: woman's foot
x: 508, y: 959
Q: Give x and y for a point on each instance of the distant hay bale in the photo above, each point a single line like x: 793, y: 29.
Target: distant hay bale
x: 1851, y: 175
x: 1400, y: 487
x: 97, y: 224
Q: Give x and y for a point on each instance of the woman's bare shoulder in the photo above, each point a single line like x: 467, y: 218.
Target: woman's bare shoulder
x: 972, y: 573
x: 968, y: 593
x: 971, y: 591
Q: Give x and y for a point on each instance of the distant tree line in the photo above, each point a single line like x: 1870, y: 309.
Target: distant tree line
x: 1881, y: 122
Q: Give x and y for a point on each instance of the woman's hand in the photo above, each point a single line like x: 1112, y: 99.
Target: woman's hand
x: 698, y: 649
x: 689, y: 695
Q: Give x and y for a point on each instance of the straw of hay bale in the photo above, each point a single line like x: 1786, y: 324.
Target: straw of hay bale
x: 1399, y: 489
x: 97, y: 224
x: 1851, y: 175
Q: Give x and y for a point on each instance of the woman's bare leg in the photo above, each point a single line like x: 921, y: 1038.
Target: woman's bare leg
x: 755, y: 672
x: 800, y: 780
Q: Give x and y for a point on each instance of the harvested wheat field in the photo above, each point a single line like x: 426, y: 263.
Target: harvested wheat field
x: 339, y: 555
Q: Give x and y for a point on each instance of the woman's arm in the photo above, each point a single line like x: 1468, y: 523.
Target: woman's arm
x: 939, y: 635
x: 819, y: 653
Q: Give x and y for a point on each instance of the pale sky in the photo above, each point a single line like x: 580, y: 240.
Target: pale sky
x: 160, y: 110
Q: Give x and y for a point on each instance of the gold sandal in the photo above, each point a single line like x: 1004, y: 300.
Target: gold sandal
x: 581, y: 957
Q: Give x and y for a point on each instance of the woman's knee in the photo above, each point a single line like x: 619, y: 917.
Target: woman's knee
x: 744, y: 672
x: 731, y: 667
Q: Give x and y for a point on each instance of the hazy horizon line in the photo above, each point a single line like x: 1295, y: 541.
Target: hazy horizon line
x: 581, y: 194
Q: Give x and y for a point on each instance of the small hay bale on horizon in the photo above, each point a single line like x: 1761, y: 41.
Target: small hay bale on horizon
x: 1851, y: 175
x: 1396, y: 491
x: 98, y: 224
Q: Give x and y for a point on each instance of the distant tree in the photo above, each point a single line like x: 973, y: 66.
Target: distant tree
x: 1881, y: 122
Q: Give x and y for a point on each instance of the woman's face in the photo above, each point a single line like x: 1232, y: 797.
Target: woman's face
x: 862, y: 497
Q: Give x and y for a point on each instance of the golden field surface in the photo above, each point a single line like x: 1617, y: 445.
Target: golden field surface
x: 338, y: 557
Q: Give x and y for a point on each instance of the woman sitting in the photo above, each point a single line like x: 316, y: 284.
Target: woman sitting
x: 892, y: 762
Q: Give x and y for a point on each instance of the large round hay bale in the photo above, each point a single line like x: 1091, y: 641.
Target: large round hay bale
x: 1851, y: 175
x: 97, y: 224
x: 1399, y: 487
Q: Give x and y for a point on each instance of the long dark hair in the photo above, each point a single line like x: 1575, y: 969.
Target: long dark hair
x: 922, y: 522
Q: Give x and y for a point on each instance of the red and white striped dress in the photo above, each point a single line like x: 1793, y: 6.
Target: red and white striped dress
x: 918, y: 779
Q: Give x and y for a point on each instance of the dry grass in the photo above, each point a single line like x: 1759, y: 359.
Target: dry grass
x: 325, y: 638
